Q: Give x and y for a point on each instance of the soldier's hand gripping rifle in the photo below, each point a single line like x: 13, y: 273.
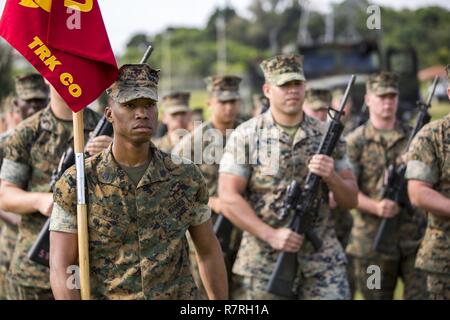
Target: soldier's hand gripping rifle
x: 40, y: 251
x: 395, y: 184
x: 302, y: 205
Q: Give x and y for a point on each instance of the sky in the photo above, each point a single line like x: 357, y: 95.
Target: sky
x: 124, y: 18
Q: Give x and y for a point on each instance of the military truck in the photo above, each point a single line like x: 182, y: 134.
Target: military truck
x: 330, y: 66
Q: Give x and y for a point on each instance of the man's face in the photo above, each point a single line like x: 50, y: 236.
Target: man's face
x: 320, y: 114
x: 382, y: 106
x: 178, y: 120
x: 224, y: 112
x: 288, y: 98
x: 347, y: 108
x: 134, y: 121
x: 29, y: 107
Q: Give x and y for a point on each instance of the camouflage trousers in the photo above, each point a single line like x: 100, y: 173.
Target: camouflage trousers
x: 438, y: 286
x: 2, y: 286
x: 351, y: 276
x: 16, y: 291
x: 229, y: 257
x: 343, y: 222
x: 414, y: 280
x: 329, y: 285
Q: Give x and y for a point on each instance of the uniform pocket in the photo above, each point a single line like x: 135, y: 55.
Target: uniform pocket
x: 105, y: 228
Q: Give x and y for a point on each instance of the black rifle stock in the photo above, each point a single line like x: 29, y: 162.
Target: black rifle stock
x: 395, y: 184
x: 40, y: 251
x: 302, y: 205
x: 223, y: 228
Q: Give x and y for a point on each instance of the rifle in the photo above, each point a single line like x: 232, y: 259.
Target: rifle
x: 395, y: 184
x: 303, y: 204
x: 40, y: 251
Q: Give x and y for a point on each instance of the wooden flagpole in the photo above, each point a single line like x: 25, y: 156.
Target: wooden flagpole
x: 82, y: 222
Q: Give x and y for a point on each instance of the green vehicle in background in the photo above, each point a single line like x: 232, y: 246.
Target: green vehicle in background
x: 330, y: 65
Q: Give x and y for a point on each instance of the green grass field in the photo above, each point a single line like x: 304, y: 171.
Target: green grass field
x: 439, y: 110
x: 398, y: 294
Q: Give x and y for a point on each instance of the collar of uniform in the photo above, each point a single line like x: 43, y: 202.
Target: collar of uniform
x: 49, y: 121
x: 158, y: 169
x: 110, y: 172
x: 400, y: 132
x: 309, y: 127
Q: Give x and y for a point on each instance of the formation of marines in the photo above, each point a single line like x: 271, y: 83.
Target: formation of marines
x: 155, y: 203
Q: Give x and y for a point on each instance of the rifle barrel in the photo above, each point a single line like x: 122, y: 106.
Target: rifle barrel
x: 147, y: 54
x: 431, y: 93
x: 347, y: 93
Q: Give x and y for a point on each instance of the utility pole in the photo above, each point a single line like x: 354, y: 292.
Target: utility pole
x: 167, y: 61
x: 221, y: 26
x: 303, y: 36
x: 221, y: 29
x: 329, y: 27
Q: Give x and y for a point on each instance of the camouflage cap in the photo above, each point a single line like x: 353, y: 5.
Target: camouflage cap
x: 382, y: 83
x: 283, y: 68
x: 318, y: 99
x: 225, y: 88
x: 32, y: 86
x: 176, y: 102
x: 135, y: 81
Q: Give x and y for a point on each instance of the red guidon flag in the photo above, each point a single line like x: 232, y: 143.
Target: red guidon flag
x: 66, y: 41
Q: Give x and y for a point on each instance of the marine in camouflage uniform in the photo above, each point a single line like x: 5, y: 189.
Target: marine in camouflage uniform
x: 350, y: 120
x: 268, y: 156
x: 317, y: 102
x: 176, y: 116
x: 32, y: 94
x: 371, y: 150
x: 429, y: 164
x: 205, y: 145
x: 8, y: 234
x: 32, y: 153
x: 138, y: 221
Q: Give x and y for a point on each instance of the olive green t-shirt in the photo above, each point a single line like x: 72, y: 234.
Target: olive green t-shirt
x: 136, y: 173
x: 290, y: 130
